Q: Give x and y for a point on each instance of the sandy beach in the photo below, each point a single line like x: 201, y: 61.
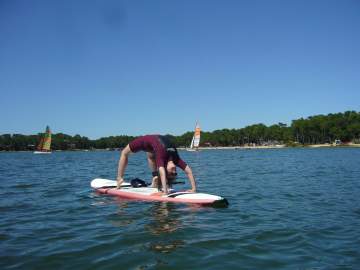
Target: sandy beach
x: 333, y: 145
x: 237, y: 147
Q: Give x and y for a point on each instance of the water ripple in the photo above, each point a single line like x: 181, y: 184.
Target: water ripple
x: 289, y: 209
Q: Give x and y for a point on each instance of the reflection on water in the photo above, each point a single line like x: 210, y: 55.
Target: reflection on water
x: 164, y: 219
x: 117, y: 219
x: 161, y: 220
x: 158, y: 264
x: 167, y: 247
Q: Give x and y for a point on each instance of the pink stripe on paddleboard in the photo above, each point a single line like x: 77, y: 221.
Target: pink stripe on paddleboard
x: 151, y: 197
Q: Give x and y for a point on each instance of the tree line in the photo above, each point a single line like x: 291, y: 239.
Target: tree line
x: 316, y: 129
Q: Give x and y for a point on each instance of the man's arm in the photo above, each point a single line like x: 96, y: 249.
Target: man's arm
x: 163, y: 179
x: 123, y: 162
x: 190, y: 175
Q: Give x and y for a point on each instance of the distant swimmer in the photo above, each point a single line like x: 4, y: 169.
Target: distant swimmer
x: 162, y: 157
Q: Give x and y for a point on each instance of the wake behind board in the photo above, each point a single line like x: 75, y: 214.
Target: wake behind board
x: 105, y: 186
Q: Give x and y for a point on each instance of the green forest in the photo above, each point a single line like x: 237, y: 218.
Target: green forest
x: 318, y: 129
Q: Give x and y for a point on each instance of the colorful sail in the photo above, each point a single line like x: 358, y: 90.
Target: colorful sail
x: 45, y: 142
x: 41, y: 143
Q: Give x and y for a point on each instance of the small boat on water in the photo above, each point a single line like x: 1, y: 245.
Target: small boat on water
x: 195, y: 142
x: 44, y: 146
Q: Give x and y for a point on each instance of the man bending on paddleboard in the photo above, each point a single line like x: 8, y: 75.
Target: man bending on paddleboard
x: 162, y: 156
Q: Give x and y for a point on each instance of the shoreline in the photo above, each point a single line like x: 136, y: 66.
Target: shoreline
x: 280, y: 146
x: 331, y: 145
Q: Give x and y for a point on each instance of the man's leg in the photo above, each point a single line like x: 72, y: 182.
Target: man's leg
x: 152, y: 166
x: 123, y: 162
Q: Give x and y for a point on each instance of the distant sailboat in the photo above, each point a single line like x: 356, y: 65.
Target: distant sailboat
x: 45, y: 143
x: 195, y: 142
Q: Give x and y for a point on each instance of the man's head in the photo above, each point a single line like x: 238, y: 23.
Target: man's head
x: 171, y: 170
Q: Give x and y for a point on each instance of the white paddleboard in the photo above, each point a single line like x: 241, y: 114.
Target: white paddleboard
x: 106, y: 186
x: 103, y: 183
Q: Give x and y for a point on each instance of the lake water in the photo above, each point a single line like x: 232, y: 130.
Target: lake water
x: 289, y: 209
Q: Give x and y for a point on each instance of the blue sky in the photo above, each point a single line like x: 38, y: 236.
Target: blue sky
x: 101, y: 68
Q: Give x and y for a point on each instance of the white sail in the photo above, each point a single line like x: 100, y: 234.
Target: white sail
x: 195, y: 142
x: 192, y: 143
x: 197, y: 136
